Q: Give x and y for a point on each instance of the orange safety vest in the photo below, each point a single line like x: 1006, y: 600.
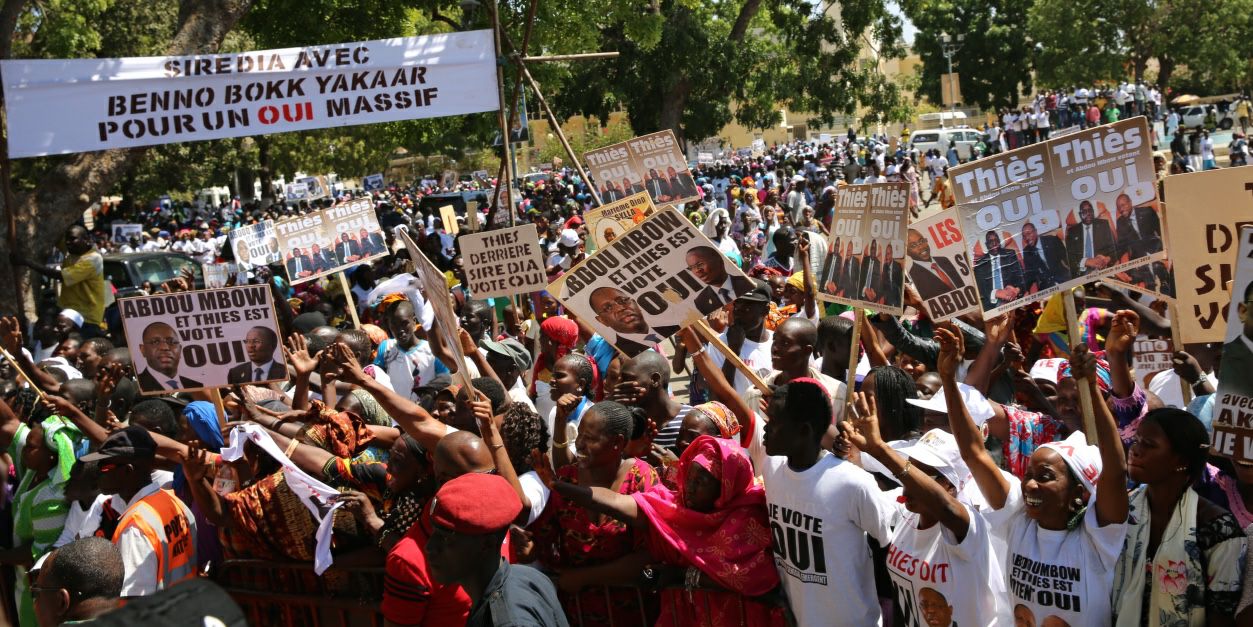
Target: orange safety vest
x: 169, y: 527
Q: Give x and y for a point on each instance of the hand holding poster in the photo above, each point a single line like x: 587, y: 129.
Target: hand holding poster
x: 320, y: 243
x: 373, y: 182
x: 864, y: 265
x: 938, y: 267
x: 435, y: 290
x: 122, y: 233
x: 1205, y: 215
x: 607, y: 222
x: 503, y: 262
x: 1058, y: 214
x: 203, y: 339
x: 1233, y: 402
x: 655, y: 279
x: 256, y: 244
x: 650, y: 163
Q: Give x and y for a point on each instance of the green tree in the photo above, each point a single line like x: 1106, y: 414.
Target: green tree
x: 993, y: 60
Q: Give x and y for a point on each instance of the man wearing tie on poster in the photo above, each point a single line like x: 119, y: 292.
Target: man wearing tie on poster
x: 932, y: 276
x: 618, y: 311
x: 870, y: 281
x: 831, y: 269
x: 998, y: 273
x: 893, y: 278
x: 259, y: 344
x: 1089, y: 243
x: 1043, y: 258
x: 298, y: 265
x: 1139, y: 235
x: 347, y: 250
x: 708, y: 266
x: 162, y: 353
x: 657, y: 187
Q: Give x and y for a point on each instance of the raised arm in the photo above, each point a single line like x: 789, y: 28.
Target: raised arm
x: 1151, y: 321
x: 500, y: 455
x: 297, y: 352
x: 718, y: 385
x: 409, y: 415
x: 196, y: 468
x: 969, y: 438
x: 601, y: 501
x: 1118, y: 344
x: 810, y: 306
x: 862, y: 430
x: 870, y: 341
x: 998, y: 331
x: 1111, y: 486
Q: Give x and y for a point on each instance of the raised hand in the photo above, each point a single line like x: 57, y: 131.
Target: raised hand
x: 298, y: 357
x: 1000, y: 329
x: 952, y: 349
x: 862, y: 427
x: 196, y: 465
x: 107, y: 379
x: 567, y: 404
x: 1123, y: 331
x: 1186, y: 366
x: 11, y: 335
x: 467, y: 343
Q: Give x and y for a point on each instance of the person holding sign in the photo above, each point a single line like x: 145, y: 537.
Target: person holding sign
x: 162, y: 352
x: 1090, y: 243
x: 259, y: 345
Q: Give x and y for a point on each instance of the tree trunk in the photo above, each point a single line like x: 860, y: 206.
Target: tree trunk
x: 64, y: 193
x: 672, y: 105
x: 265, y: 172
x: 1165, y: 69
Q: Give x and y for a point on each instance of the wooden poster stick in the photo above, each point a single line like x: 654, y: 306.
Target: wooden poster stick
x: 854, y: 355
x: 702, y: 329
x: 1176, y: 341
x: 22, y: 373
x: 216, y: 397
x: 352, y: 306
x: 1085, y: 394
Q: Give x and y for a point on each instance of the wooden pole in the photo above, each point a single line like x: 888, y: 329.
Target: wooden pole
x: 216, y: 397
x: 22, y: 373
x: 854, y: 357
x: 570, y: 57
x: 552, y: 121
x: 1085, y: 394
x: 707, y: 334
x: 506, y: 164
x: 1176, y: 342
x: 352, y: 306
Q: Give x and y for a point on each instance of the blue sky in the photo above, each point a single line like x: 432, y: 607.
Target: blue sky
x: 910, y: 31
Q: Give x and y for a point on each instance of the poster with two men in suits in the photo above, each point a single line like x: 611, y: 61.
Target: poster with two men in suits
x: 865, y: 260
x: 324, y: 242
x: 650, y: 163
x: 1061, y: 213
x: 203, y: 339
x: 661, y: 275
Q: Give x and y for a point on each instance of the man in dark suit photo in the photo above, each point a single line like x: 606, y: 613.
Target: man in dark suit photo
x: 849, y: 273
x: 1139, y: 235
x: 618, y: 311
x: 657, y: 187
x: 347, y: 249
x: 998, y: 273
x: 372, y: 243
x: 681, y: 185
x: 893, y: 278
x: 1238, y: 353
x: 722, y: 287
x: 259, y: 345
x: 1043, y: 259
x: 869, y: 282
x: 609, y: 194
x: 629, y: 188
x: 323, y: 259
x: 162, y: 353
x: 1089, y: 244
x: 831, y: 269
x: 299, y: 265
x: 931, y: 276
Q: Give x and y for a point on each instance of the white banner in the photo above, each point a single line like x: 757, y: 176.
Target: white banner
x: 58, y: 106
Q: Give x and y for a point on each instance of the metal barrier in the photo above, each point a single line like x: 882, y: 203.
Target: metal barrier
x: 288, y: 593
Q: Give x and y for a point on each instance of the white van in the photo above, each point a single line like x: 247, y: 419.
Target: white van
x: 964, y: 138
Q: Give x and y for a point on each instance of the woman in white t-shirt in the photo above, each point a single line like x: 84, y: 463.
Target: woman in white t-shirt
x: 1064, y: 526
x: 940, y: 545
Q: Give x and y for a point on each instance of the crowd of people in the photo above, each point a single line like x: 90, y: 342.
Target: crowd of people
x: 936, y: 474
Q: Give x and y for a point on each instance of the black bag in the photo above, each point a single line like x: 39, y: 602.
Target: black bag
x: 195, y: 603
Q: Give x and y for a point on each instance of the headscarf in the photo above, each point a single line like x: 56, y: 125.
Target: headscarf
x: 375, y: 333
x: 797, y: 280
x: 1052, y: 325
x: 338, y: 432
x: 722, y: 417
x: 563, y: 332
x: 62, y: 436
x: 1084, y: 460
x: 710, y: 226
x: 731, y: 545
x: 371, y: 411
x: 202, y: 417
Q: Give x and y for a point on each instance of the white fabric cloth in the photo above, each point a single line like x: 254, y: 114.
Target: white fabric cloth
x: 536, y: 492
x: 321, y: 500
x: 756, y: 355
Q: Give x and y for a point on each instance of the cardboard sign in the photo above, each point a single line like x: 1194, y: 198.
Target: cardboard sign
x: 503, y: 262
x: 203, y: 339
x: 122, y: 233
x: 650, y: 163
x: 327, y: 241
x: 256, y: 244
x: 217, y: 274
x: 373, y: 182
x: 435, y: 290
x: 937, y: 266
x: 1233, y: 401
x: 1061, y: 213
x: 607, y: 222
x: 1151, y: 355
x: 865, y: 264
x: 655, y: 279
x: 58, y: 106
x: 296, y: 191
x: 1206, y: 212
x: 316, y: 185
x: 448, y: 216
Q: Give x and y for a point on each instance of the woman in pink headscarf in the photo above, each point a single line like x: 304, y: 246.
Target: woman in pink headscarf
x: 558, y: 335
x: 709, y: 537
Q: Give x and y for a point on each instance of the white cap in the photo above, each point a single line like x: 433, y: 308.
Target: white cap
x: 1047, y: 369
x: 976, y: 403
x: 938, y: 449
x: 569, y: 238
x: 798, y: 178
x: 74, y: 316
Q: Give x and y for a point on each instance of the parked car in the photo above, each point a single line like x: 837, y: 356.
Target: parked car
x: 1194, y: 116
x: 964, y: 138
x: 127, y: 272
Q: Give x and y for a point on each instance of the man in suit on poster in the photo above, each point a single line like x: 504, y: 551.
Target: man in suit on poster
x: 721, y: 287
x: 1043, y: 258
x: 162, y: 353
x: 932, y: 276
x: 1089, y: 244
x: 618, y: 311
x: 998, y: 273
x: 259, y: 345
x: 299, y: 265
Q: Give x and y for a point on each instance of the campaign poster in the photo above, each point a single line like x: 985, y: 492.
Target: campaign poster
x: 504, y: 262
x: 657, y: 278
x: 296, y: 191
x: 1061, y: 213
x: 122, y: 232
x: 203, y: 339
x: 373, y: 182
x: 937, y: 266
x: 435, y: 289
x: 607, y: 222
x: 256, y: 244
x: 324, y: 242
x: 58, y: 106
x: 1233, y: 401
x: 218, y: 274
x: 448, y: 216
x: 316, y: 187
x: 865, y: 259
x: 650, y: 163
x: 1151, y: 355
x: 1203, y: 219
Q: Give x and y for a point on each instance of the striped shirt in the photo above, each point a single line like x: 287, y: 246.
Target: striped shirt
x: 38, y: 517
x: 668, y: 434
